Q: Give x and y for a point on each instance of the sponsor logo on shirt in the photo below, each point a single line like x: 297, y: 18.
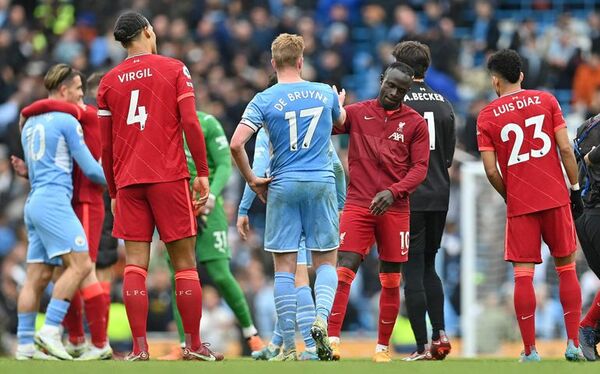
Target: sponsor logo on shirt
x: 398, y: 135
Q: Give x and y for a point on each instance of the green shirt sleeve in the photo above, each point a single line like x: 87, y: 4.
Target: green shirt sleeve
x: 218, y: 153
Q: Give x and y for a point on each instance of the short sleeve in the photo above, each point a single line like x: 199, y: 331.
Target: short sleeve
x: 484, y: 140
x: 185, y: 86
x: 253, y: 116
x: 558, y: 121
x: 73, y: 133
x: 103, y: 110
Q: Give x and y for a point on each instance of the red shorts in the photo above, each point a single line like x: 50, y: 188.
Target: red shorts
x: 359, y: 229
x: 91, y: 216
x: 524, y: 235
x: 167, y: 205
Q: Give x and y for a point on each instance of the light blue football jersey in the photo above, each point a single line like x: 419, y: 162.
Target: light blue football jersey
x: 50, y: 142
x: 298, y: 118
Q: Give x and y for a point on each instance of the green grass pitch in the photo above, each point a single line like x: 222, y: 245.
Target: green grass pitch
x: 247, y: 366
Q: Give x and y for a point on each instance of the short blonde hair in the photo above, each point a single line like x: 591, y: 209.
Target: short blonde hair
x: 286, y: 49
x: 58, y: 75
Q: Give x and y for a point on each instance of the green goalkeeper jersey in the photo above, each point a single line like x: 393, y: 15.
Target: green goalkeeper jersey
x: 218, y: 155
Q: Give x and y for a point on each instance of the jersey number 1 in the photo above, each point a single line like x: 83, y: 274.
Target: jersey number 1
x: 431, y: 127
x: 515, y: 157
x: 137, y: 114
x: 315, y: 113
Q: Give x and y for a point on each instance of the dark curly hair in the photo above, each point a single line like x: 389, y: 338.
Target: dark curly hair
x: 128, y: 26
x: 507, y: 64
x: 414, y: 54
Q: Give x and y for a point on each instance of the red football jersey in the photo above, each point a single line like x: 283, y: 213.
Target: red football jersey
x: 388, y: 150
x: 141, y: 96
x: 520, y: 128
x: 84, y: 190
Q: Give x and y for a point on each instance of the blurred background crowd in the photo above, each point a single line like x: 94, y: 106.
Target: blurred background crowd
x: 226, y: 46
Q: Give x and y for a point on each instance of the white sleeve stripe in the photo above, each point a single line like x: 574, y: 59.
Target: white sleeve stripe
x: 250, y: 124
x: 104, y: 113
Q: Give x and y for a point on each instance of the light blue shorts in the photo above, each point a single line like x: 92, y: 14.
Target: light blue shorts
x: 304, y: 256
x: 301, y: 209
x: 53, y: 229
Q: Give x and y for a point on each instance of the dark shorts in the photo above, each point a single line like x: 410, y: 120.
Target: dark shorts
x: 588, y: 231
x: 426, y: 230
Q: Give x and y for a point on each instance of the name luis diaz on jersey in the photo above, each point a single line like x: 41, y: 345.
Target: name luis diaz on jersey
x: 298, y: 95
x: 518, y: 103
x: 398, y: 135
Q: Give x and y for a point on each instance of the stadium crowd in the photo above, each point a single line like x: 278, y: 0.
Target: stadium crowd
x: 225, y: 44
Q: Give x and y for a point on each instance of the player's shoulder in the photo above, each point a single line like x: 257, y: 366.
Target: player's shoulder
x: 165, y: 61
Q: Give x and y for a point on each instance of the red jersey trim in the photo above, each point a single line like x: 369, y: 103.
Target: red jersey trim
x: 561, y: 126
x: 185, y: 95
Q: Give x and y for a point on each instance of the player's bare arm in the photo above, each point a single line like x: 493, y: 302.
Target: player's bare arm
x: 492, y: 172
x: 570, y: 163
x: 240, y: 137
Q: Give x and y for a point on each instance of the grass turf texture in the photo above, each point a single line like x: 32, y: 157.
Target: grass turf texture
x: 247, y: 366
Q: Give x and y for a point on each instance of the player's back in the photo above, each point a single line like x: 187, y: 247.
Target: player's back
x: 433, y: 194
x: 141, y: 96
x: 47, y: 154
x: 521, y: 128
x: 298, y: 118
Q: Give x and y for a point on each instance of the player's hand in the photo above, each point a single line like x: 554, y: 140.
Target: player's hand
x: 19, y: 166
x: 201, y: 190
x: 576, y: 204
x: 113, y: 206
x: 210, y: 204
x: 260, y: 186
x: 341, y: 95
x: 381, y: 202
x: 243, y: 227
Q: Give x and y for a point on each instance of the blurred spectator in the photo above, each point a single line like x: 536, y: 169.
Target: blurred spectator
x: 587, y: 80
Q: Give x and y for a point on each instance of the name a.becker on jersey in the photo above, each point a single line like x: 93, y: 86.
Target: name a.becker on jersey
x: 298, y: 95
x: 517, y: 104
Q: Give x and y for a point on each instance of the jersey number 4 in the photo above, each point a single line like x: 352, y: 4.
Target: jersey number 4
x: 515, y: 156
x: 137, y: 114
x: 315, y: 114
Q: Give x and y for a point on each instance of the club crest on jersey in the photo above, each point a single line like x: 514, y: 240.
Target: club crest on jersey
x: 398, y: 135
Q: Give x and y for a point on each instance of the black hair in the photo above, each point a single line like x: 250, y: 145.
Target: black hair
x: 507, y: 64
x: 415, y: 54
x: 128, y: 26
x: 400, y: 66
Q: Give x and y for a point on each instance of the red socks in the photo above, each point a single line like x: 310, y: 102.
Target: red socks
x: 524, y: 299
x: 106, y: 288
x: 593, y: 315
x: 95, y: 313
x: 570, y: 298
x: 135, y: 298
x: 389, y: 305
x: 73, y: 321
x: 189, y: 303
x: 340, y: 302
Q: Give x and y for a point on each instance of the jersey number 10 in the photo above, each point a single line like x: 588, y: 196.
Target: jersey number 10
x: 315, y: 114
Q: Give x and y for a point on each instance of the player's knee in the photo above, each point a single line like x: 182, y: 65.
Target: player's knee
x: 390, y: 280
x: 349, y: 260
x: 82, y: 266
